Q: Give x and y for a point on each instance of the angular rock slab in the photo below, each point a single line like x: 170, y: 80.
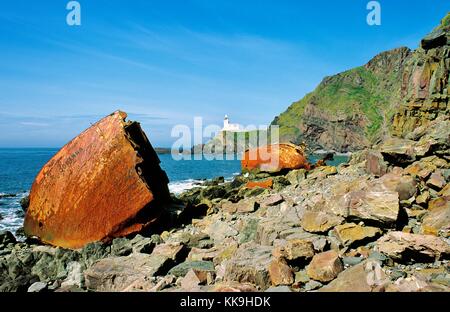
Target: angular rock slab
x: 367, y: 276
x: 131, y: 273
x: 274, y: 158
x: 105, y: 183
x: 408, y: 247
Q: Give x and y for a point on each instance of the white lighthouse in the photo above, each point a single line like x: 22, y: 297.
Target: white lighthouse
x: 227, y: 126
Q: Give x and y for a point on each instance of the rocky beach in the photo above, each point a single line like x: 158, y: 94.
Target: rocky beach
x: 106, y: 222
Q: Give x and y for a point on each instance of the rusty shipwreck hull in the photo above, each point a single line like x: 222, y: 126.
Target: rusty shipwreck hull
x: 274, y: 158
x: 105, y: 183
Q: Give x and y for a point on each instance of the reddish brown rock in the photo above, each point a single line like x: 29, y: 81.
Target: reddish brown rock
x: 105, y: 183
x: 280, y: 273
x: 375, y: 163
x: 325, y: 266
x: 274, y: 158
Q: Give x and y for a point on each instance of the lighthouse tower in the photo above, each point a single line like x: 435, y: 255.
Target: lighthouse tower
x: 226, y: 123
x: 227, y: 126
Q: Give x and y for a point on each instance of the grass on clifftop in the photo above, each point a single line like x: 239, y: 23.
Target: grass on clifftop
x: 343, y: 96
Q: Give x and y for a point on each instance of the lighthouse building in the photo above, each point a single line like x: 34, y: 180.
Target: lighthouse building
x: 227, y: 126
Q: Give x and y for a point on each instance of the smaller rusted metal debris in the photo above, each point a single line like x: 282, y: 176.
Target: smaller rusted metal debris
x: 267, y: 184
x: 105, y: 183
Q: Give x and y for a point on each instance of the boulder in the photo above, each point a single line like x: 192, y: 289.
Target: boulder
x: 250, y: 264
x: 274, y: 158
x: 296, y: 176
x: 375, y: 163
x: 378, y: 206
x: 436, y: 180
x: 437, y: 219
x: 406, y: 247
x: 414, y: 284
x: 325, y: 266
x: 403, y: 151
x: 404, y: 185
x: 129, y: 273
x: 319, y: 221
x: 280, y: 273
x: 294, y: 249
x: 243, y: 206
x: 6, y: 237
x: 173, y: 251
x: 367, y: 276
x: 271, y: 200
x: 105, y: 183
x: 350, y: 234
x: 25, y: 203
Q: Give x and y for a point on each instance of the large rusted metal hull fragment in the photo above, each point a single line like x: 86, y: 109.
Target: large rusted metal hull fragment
x: 274, y: 158
x: 105, y: 183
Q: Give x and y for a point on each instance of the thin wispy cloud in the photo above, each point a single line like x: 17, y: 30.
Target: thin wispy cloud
x: 34, y: 124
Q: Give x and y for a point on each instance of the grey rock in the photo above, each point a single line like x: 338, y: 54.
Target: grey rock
x: 37, y: 287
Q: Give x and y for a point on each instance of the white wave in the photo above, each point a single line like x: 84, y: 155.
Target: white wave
x: 181, y: 186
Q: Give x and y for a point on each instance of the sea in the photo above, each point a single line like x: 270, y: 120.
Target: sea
x: 19, y: 167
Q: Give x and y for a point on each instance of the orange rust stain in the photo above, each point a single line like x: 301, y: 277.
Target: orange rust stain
x: 89, y: 189
x: 267, y: 184
x: 274, y: 158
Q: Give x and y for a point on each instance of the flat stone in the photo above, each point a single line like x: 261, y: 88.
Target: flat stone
x: 197, y: 254
x: 279, y: 289
x: 325, y: 266
x: 319, y: 221
x: 220, y: 230
x: 198, y: 266
x: 367, y: 276
x: 413, y: 247
x: 312, y: 285
x: 381, y: 206
x: 234, y: 287
x: 271, y: 200
x: 170, y: 250
x: 243, y: 206
x: 350, y: 261
x: 350, y: 234
x: 129, y: 273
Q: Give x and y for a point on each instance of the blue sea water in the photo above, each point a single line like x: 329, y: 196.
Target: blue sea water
x: 19, y: 167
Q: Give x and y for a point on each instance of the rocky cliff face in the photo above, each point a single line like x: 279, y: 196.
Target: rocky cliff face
x: 393, y: 93
x: 425, y: 83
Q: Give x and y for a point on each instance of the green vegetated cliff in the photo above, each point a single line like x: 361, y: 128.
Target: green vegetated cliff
x: 393, y: 93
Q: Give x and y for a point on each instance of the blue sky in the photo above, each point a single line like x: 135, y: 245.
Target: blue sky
x: 165, y: 62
